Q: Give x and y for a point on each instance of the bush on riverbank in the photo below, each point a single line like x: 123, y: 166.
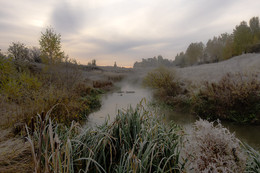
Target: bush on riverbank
x: 235, y: 97
x: 168, y: 88
x: 214, y: 149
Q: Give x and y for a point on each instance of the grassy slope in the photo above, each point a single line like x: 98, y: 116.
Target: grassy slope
x: 215, y: 71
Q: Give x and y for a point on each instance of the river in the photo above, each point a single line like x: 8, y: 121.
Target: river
x: 131, y: 95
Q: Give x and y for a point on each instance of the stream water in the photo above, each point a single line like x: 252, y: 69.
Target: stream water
x: 131, y: 95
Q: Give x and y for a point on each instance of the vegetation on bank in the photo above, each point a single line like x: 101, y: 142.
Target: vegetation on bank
x: 168, y: 87
x: 235, y: 97
x: 137, y: 141
x: 32, y: 82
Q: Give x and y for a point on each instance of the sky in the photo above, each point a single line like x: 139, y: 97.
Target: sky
x: 121, y: 31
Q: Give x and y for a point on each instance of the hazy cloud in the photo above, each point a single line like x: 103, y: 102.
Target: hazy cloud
x: 67, y: 17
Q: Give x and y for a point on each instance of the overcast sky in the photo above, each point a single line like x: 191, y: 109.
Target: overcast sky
x: 124, y: 31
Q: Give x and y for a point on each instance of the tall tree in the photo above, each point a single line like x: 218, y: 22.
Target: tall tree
x: 180, y: 59
x: 194, y: 53
x: 50, y: 46
x: 115, y: 65
x: 255, y: 29
x: 94, y: 62
x: 242, y: 38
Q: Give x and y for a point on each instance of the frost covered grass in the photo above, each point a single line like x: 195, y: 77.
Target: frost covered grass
x: 212, y: 148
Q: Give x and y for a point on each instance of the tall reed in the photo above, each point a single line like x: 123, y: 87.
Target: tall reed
x: 135, y: 142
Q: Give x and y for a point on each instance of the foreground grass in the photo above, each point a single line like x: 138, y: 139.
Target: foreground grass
x: 137, y: 141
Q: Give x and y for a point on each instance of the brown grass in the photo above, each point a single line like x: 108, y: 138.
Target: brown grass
x: 15, y: 154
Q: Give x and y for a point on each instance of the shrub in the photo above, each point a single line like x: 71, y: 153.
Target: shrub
x: 7, y: 70
x: 102, y: 84
x: 212, y: 148
x: 168, y: 87
x: 235, y: 97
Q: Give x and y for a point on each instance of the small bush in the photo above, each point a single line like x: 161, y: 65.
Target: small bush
x: 115, y: 77
x: 168, y: 87
x: 235, y: 97
x: 102, y: 84
x: 212, y: 148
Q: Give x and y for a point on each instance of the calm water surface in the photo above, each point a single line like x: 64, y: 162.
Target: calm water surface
x: 129, y: 95
x: 132, y: 95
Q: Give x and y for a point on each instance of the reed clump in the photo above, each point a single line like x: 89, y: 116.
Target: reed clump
x: 135, y: 141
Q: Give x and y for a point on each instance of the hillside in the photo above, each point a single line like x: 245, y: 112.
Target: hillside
x: 245, y: 63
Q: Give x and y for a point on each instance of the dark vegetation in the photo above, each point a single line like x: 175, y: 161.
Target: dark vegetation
x: 153, y: 62
x: 235, y: 97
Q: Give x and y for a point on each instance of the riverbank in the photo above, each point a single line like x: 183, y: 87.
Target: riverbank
x: 67, y: 90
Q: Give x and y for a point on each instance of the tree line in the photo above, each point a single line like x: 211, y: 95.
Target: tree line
x: 153, y: 62
x: 244, y: 39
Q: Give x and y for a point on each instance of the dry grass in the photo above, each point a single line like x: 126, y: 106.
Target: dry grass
x: 15, y: 155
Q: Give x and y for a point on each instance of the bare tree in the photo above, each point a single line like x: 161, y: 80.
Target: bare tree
x: 18, y: 51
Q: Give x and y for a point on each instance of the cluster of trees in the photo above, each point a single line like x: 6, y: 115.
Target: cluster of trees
x: 49, y: 52
x: 153, y: 62
x: 244, y: 39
